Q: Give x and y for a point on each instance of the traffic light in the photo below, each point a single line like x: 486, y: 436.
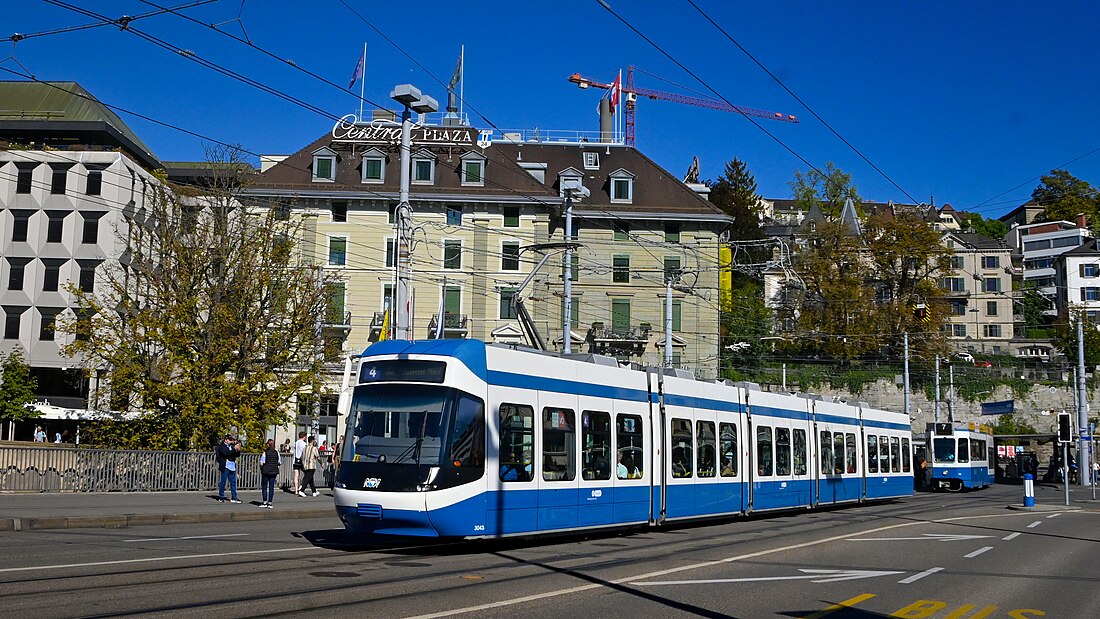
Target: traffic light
x: 920, y: 311
x: 1065, y: 428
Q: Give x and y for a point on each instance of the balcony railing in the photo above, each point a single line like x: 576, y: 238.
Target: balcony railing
x: 454, y: 325
x: 632, y: 341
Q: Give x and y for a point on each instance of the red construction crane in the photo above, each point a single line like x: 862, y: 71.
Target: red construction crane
x: 631, y: 93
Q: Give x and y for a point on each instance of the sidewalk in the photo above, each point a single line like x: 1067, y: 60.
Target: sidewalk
x: 76, y: 510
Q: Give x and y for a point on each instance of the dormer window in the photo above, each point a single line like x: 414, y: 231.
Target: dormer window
x: 324, y: 166
x: 591, y: 160
x: 622, y: 187
x: 374, y: 166
x: 423, y: 168
x: 473, y: 170
x: 569, y: 177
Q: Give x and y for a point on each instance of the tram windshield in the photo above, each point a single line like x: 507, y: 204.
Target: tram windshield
x: 943, y: 450
x: 417, y: 425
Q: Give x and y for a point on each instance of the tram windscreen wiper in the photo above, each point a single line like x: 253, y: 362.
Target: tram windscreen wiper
x: 410, y: 450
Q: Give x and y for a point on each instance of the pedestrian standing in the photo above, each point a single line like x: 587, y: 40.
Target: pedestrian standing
x: 335, y: 463
x: 299, y: 447
x: 226, y: 456
x: 39, y: 434
x: 269, y: 472
x: 309, y: 467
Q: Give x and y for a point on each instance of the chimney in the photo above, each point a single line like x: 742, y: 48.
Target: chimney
x: 1081, y: 222
x: 607, y: 130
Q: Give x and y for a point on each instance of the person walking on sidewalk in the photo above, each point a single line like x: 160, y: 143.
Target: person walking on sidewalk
x: 309, y: 467
x: 299, y: 447
x: 227, y: 465
x: 269, y: 472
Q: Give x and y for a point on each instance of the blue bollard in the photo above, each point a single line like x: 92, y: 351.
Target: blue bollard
x: 1029, y: 490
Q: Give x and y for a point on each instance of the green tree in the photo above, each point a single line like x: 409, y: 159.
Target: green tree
x: 745, y: 325
x: 1063, y: 196
x: 735, y: 193
x: 1033, y: 306
x: 17, y: 387
x: 1065, y: 339
x: 210, y: 322
x: 990, y: 228
x: 828, y: 188
x: 1008, y: 424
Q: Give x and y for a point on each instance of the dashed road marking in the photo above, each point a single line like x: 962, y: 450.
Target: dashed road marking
x: 1011, y: 536
x: 978, y: 552
x: 916, y: 577
x: 165, y: 539
x: 1053, y: 516
x: 1035, y: 524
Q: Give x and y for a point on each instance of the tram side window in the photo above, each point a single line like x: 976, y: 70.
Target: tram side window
x: 964, y: 450
x: 895, y: 455
x: 629, y: 446
x: 559, y: 444
x: 872, y: 453
x: 681, y: 448
x: 728, y: 436
x: 706, y: 448
x: 826, y: 447
x: 467, y: 439
x: 851, y: 460
x: 799, y: 452
x: 838, y: 453
x: 905, y: 466
x: 764, y: 451
x: 782, y: 451
x: 517, y: 442
x: 884, y: 454
x: 596, y: 439
x: 977, y: 450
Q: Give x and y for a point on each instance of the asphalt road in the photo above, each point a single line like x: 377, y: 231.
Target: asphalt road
x: 957, y: 556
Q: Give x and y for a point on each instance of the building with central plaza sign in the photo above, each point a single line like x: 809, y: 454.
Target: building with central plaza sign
x: 479, y: 201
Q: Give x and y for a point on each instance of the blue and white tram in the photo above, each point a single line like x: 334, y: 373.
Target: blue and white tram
x: 962, y: 456
x: 456, y: 438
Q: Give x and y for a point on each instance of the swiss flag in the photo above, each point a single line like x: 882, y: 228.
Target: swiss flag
x: 616, y: 88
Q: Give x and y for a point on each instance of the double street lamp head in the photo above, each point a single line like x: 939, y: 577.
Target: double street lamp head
x: 411, y: 97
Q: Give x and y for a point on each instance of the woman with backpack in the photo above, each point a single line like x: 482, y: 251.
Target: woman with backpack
x: 269, y: 472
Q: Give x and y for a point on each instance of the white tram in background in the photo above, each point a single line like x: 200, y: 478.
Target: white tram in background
x: 456, y: 438
x: 963, y: 456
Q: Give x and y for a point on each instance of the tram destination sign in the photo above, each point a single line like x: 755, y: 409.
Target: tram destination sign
x: 388, y: 132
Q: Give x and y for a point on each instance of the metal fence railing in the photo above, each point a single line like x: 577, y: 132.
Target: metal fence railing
x: 68, y: 469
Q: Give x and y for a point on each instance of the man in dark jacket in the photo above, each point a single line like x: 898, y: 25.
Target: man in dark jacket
x: 226, y: 455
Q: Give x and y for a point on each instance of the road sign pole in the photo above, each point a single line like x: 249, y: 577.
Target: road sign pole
x: 1065, y: 470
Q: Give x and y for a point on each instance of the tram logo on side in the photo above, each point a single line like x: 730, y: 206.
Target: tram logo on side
x: 372, y: 482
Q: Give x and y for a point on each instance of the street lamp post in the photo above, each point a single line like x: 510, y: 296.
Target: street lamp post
x: 413, y: 101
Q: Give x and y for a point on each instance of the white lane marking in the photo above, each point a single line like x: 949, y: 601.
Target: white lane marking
x: 916, y: 577
x: 152, y: 559
x: 929, y: 537
x: 1035, y: 524
x: 978, y: 552
x: 165, y: 539
x: 1012, y: 536
x: 814, y: 575
x: 578, y: 589
x: 1053, y: 516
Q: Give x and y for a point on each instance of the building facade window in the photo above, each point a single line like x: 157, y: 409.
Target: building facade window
x: 990, y: 308
x: 991, y: 330
x: 423, y: 168
x: 324, y: 166
x: 591, y: 160
x: 473, y: 170
x: 958, y: 307
x: 575, y: 271
x: 622, y: 187
x: 55, y: 226
x: 452, y: 254
x: 507, y: 312
x: 13, y: 319
x: 672, y: 232
x: 87, y: 274
x: 676, y: 314
x: 958, y: 330
x: 339, y: 212
x: 452, y: 301
x: 672, y: 268
x: 621, y: 230
x: 24, y: 175
x: 47, y: 327
x: 991, y: 262
x: 59, y: 177
x: 16, y: 270
x: 956, y: 262
x: 509, y: 256
x: 511, y: 217
x: 20, y: 222
x: 337, y: 251
x: 51, y: 273
x: 454, y: 215
x: 337, y: 296
x: 95, y: 178
x: 574, y: 311
x: 390, y: 256
x: 374, y: 166
x: 1090, y: 270
x: 89, y: 232
x: 620, y: 269
x: 1090, y: 293
x: 953, y: 284
x: 620, y: 315
x: 991, y: 284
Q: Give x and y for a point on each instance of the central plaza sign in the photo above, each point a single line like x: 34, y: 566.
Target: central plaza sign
x: 388, y: 132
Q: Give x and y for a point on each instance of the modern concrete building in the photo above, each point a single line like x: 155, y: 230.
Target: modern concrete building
x: 482, y: 203
x: 1039, y: 245
x: 70, y: 170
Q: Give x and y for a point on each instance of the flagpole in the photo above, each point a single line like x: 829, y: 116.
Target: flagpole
x: 461, y: 79
x: 363, y: 83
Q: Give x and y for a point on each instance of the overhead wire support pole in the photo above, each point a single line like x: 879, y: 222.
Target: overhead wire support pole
x: 1082, y: 406
x: 906, y: 375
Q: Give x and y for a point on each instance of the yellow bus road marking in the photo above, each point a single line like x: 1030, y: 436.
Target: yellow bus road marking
x: 840, y: 606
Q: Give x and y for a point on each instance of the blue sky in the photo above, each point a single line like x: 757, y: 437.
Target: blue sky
x: 962, y: 101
